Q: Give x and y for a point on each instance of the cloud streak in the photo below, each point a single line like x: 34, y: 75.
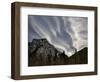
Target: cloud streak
x: 65, y: 33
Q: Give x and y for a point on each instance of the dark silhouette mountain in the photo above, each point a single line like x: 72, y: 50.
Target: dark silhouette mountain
x: 41, y: 53
x: 79, y: 57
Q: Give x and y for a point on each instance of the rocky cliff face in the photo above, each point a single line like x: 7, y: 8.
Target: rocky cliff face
x: 41, y: 53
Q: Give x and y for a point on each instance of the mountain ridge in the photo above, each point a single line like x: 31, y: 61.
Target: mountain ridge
x: 41, y: 53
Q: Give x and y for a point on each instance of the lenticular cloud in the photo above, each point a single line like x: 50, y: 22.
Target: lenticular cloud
x: 65, y: 33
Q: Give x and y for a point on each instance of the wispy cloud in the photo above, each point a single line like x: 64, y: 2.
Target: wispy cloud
x: 65, y: 33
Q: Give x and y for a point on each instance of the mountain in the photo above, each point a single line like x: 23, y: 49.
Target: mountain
x: 41, y: 53
x: 79, y: 57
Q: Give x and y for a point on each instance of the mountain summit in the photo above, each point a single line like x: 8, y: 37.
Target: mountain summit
x: 41, y: 53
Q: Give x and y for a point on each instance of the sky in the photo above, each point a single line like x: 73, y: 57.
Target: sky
x: 66, y: 33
